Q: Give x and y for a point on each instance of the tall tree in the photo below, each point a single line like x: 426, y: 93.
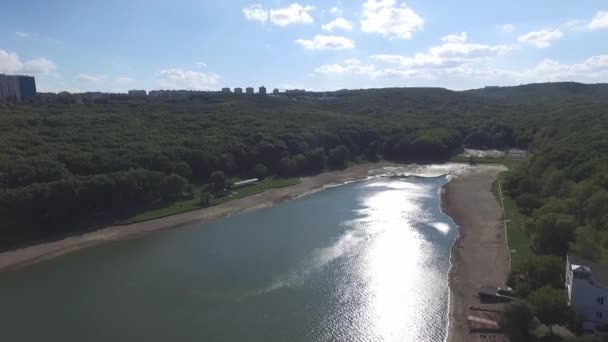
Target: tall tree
x: 550, y: 306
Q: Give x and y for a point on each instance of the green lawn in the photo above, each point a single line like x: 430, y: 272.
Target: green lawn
x: 519, y: 242
x: 194, y: 203
x: 267, y: 183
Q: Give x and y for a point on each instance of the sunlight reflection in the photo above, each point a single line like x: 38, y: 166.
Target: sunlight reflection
x: 395, y: 258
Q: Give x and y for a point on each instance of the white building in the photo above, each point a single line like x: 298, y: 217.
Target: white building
x: 245, y: 183
x: 587, y: 286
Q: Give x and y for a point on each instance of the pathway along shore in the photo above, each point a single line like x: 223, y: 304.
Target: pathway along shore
x: 480, y: 255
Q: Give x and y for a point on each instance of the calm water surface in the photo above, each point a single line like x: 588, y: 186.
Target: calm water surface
x: 365, y: 261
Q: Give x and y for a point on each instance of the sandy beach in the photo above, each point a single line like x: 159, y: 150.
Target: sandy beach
x: 480, y: 255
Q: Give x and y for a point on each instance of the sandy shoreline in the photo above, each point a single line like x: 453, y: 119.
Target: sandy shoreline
x: 480, y: 255
x: 36, y: 253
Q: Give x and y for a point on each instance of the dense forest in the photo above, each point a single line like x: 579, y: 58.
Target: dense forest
x: 65, y: 167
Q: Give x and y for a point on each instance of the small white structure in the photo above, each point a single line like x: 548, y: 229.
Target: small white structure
x: 587, y: 286
x: 245, y: 183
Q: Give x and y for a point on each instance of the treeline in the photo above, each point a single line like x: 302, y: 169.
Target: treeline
x: 64, y: 165
x: 562, y: 191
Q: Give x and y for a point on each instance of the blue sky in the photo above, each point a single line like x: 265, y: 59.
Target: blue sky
x: 116, y: 45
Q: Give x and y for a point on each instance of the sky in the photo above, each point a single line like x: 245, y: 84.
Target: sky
x: 115, y: 46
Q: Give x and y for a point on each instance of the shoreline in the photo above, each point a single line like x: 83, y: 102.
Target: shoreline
x: 469, y: 201
x: 17, y: 258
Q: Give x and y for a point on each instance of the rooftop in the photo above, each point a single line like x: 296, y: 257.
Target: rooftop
x: 599, y: 272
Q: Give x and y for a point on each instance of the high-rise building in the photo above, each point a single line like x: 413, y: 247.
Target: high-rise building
x: 27, y: 87
x: 137, y: 93
x: 238, y: 90
x: 249, y: 90
x: 17, y: 88
x: 226, y: 90
x: 276, y: 91
x: 262, y: 90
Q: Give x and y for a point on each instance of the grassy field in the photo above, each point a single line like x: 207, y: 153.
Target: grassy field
x: 519, y: 241
x: 194, y: 203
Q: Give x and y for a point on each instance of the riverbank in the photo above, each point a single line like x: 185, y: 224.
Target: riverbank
x: 480, y: 255
x: 36, y: 253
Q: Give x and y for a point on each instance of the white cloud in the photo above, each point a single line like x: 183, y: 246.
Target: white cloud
x: 22, y: 34
x: 322, y: 42
x: 593, y: 69
x: 350, y: 66
x: 292, y: 14
x: 336, y: 11
x: 454, y: 51
x: 38, y: 66
x: 201, y: 64
x: 10, y: 63
x: 576, y: 25
x: 454, y: 56
x: 541, y: 39
x: 600, y: 21
x: 338, y: 23
x: 188, y: 79
x: 507, y: 28
x: 455, y: 38
x: 90, y: 78
x: 256, y: 13
x: 386, y: 18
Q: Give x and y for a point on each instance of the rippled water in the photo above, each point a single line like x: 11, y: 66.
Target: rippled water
x: 364, y: 261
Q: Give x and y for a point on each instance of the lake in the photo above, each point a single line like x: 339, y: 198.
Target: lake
x: 365, y: 261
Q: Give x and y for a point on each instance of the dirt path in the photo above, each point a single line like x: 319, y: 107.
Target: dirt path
x: 480, y: 256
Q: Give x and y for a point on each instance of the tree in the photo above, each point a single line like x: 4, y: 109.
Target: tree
x: 553, y: 234
x: 544, y: 270
x: 217, y: 182
x: 183, y: 169
x: 172, y: 187
x: 518, y: 320
x: 550, y: 306
x: 587, y: 244
x: 205, y: 198
x: 527, y: 202
x: 288, y: 167
x: 260, y: 171
x: 338, y: 157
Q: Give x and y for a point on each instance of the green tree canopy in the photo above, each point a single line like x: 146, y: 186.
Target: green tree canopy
x: 550, y: 306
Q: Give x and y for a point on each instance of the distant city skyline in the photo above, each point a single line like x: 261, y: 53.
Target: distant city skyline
x: 115, y: 46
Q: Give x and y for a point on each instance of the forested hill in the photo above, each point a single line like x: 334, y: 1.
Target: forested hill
x: 66, y: 165
x: 557, y: 90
